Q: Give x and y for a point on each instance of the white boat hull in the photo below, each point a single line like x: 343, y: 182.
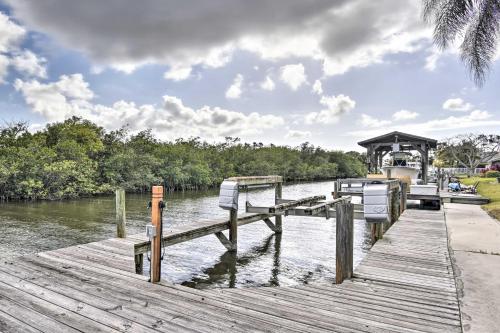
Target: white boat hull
x: 401, y: 171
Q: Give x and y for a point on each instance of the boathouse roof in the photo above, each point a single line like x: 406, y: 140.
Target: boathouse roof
x: 394, y: 137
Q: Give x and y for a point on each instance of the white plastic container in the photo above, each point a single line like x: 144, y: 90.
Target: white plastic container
x: 228, y: 195
x: 376, y: 203
x: 424, y: 189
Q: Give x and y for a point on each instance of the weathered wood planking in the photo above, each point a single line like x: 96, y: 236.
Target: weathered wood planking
x: 344, y: 247
x: 404, y: 284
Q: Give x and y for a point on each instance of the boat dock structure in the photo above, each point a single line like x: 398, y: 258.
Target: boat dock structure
x: 405, y: 283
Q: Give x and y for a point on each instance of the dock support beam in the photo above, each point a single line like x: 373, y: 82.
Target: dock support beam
x: 233, y: 229
x: 157, y: 197
x: 120, y: 214
x: 278, y: 219
x: 344, y: 241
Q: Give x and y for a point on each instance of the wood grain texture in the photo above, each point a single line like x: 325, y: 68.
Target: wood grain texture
x: 344, y: 241
x: 121, y: 218
x: 404, y: 284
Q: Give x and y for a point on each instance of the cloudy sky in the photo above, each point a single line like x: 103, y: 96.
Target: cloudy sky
x: 331, y: 72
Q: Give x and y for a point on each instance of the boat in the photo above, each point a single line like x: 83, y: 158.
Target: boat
x: 400, y: 166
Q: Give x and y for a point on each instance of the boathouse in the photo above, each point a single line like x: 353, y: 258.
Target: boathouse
x: 378, y: 147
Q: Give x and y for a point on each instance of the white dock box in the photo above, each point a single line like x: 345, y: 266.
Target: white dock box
x: 376, y: 203
x: 228, y: 195
x: 424, y: 189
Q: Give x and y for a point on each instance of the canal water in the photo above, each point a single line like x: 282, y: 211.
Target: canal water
x: 304, y: 253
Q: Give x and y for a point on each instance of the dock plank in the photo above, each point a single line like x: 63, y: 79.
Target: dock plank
x: 405, y: 283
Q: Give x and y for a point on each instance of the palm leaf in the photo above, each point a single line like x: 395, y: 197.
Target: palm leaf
x: 480, y: 41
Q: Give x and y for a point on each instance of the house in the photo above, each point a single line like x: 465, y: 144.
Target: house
x: 491, y: 161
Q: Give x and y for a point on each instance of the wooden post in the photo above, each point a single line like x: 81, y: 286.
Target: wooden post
x: 278, y: 219
x: 157, y: 196
x: 373, y: 232
x: 381, y: 230
x: 376, y: 231
x: 120, y: 214
x: 344, y: 241
x: 139, y: 262
x: 233, y: 229
x: 336, y: 189
x: 404, y: 193
x: 394, y: 206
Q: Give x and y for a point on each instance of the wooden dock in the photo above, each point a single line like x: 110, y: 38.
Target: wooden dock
x: 404, y: 284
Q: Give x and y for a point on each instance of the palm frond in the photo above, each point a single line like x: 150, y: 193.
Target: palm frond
x: 451, y: 18
x: 429, y: 9
x: 480, y: 41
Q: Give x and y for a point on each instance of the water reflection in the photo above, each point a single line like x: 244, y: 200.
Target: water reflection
x: 228, y: 264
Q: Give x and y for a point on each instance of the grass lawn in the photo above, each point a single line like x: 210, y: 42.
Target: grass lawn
x: 489, y: 188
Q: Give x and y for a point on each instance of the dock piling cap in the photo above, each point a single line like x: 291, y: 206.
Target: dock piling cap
x: 157, y: 192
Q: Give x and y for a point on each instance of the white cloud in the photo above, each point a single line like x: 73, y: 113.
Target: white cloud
x: 74, y: 86
x: 30, y: 64
x: 475, y: 119
x: 369, y: 121
x: 11, y: 34
x: 58, y: 100
x: 335, y: 107
x: 178, y: 73
x: 404, y: 115
x: 293, y: 75
x: 344, y: 34
x: 71, y: 96
x: 295, y: 134
x: 268, y: 84
x: 478, y: 115
x: 234, y: 90
x: 127, y: 67
x: 317, y: 87
x: 431, y: 61
x: 362, y: 33
x: 435, y: 55
x: 457, y: 104
x: 4, y: 67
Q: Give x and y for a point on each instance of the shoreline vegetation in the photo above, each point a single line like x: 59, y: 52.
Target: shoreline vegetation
x: 488, y: 188
x: 77, y: 158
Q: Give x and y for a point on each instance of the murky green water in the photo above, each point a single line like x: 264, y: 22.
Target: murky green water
x: 304, y: 253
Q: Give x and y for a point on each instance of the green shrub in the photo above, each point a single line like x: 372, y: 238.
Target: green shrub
x: 492, y: 174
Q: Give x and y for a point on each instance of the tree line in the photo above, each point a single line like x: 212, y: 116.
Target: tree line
x: 77, y: 158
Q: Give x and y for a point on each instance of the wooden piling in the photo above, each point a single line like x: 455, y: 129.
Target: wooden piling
x: 120, y: 213
x: 394, y: 205
x: 139, y: 263
x: 344, y: 241
x: 373, y: 233
x: 377, y: 231
x: 278, y: 218
x: 404, y: 193
x: 336, y: 189
x: 233, y: 229
x: 156, y: 221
